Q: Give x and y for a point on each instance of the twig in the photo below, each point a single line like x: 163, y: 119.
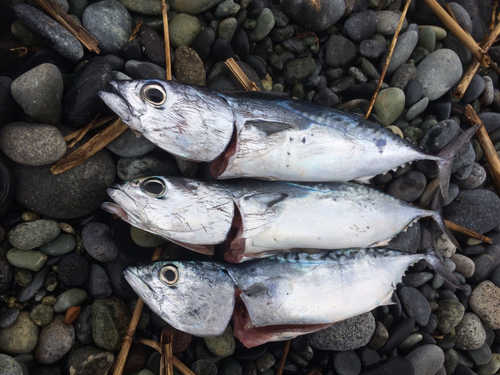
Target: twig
x: 22, y: 51
x: 167, y: 356
x: 83, y: 131
x: 135, y: 31
x: 97, y: 143
x: 102, y: 121
x: 177, y: 363
x: 127, y: 340
x: 240, y: 76
x: 468, y: 232
x: 167, y: 39
x: 474, y: 66
x: 284, y: 355
x: 487, y: 146
x: 389, y: 56
x: 380, y: 5
x: 455, y: 28
x: 493, y: 12
x: 450, y: 11
x: 70, y: 24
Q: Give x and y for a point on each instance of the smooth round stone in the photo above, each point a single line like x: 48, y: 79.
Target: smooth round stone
x: 152, y: 45
x: 98, y: 284
x: 265, y: 362
x: 427, y: 359
x: 226, y: 8
x: 99, y: 242
x: 417, y: 109
x: 183, y: 30
x: 71, y: 194
x: 408, y: 187
x: 69, y: 298
x: 297, y: 70
x: 20, y: 337
x: 361, y: 26
x: 32, y: 260
x: 491, y: 367
x: 61, y: 40
x: 202, y: 45
x: 371, y: 48
x: 223, y: 345
x: 326, y: 97
x: 56, y: 339
x: 347, y: 363
x: 110, y: 23
x: 387, y: 22
x: 485, y: 263
x: 403, y: 49
x: 416, y: 279
x: 142, y: 70
x: 39, y: 93
x: 379, y: 337
x: 42, y: 314
x: 128, y: 145
x: 230, y: 368
x: 83, y: 326
x: 489, y: 91
x: 427, y: 38
x: 415, y: 305
x: 389, y: 105
x: 462, y: 17
x: 491, y: 121
x: 222, y: 50
x: 413, y: 93
x: 30, y: 291
x: 469, y: 333
x: 316, y: 16
x: 63, y: 244
x: 464, y: 265
x: 110, y: 320
x: 132, y: 50
x: 89, y: 360
x: 147, y: 7
x: 349, y: 334
x: 339, y: 51
x: 227, y: 28
x: 204, y: 367
x: 188, y: 67
x: 449, y: 313
x: 476, y: 177
x: 475, y: 88
x: 144, y: 166
x: 22, y: 276
x: 145, y: 239
x: 9, y: 366
x: 403, y: 74
x: 73, y: 270
x: 484, y: 302
x: 192, y: 7
x: 438, y: 72
x: 8, y: 316
x: 265, y: 23
x: 27, y: 236
x: 480, y: 356
x: 81, y: 102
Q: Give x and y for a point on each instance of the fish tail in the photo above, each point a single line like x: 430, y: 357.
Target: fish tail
x: 434, y: 261
x: 437, y: 216
x: 445, y: 158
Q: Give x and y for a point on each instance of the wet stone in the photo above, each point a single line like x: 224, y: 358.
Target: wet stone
x: 183, y: 30
x: 110, y: 320
x: 20, y: 337
x: 222, y: 346
x: 339, y: 51
x: 315, y: 16
x: 427, y: 359
x: 485, y: 303
x: 128, y: 145
x: 8, y: 316
x: 42, y: 315
x: 449, y: 314
x: 98, y: 242
x: 69, y: 298
x: 469, y: 333
x: 32, y: 260
x: 27, y: 236
x: 56, y: 339
x: 98, y: 284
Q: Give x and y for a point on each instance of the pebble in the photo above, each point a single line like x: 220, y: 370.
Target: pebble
x: 413, y: 93
x: 83, y: 326
x: 297, y: 70
x: 469, y: 333
x: 491, y: 367
x: 411, y: 340
x: 349, y: 334
x: 110, y: 23
x: 326, y: 97
x: 61, y: 245
x: 427, y: 38
x: 489, y: 91
x: 183, y: 29
x: 227, y: 28
x: 230, y: 368
x: 61, y: 40
x: 56, y: 339
x: 464, y: 264
x: 144, y: 166
x: 403, y: 49
x: 110, y: 320
x: 265, y: 362
x: 316, y: 16
x: 145, y: 239
x: 426, y: 359
x: 81, y: 102
x: 449, y: 314
x: 475, y: 179
x: 265, y: 23
x: 408, y: 187
x: 389, y: 105
x: 371, y: 48
x: 128, y: 145
x: 188, y: 67
x: 339, y: 51
x: 417, y: 109
x: 8, y: 316
x: 361, y: 25
x: 27, y: 236
x: 223, y: 345
x: 393, y: 365
x: 89, y: 360
x: 415, y: 305
x: 69, y: 298
x: 10, y: 366
x: 22, y: 276
x: 98, y: 284
x: 39, y: 93
x: 204, y: 367
x: 484, y: 301
x: 403, y: 74
x: 20, y: 337
x: 476, y: 88
x: 73, y: 270
x: 99, y: 242
x: 202, y: 45
x: 34, y: 287
x: 438, y: 72
x: 387, y: 22
x: 42, y: 314
x: 192, y: 7
x: 222, y: 50
x: 397, y: 334
x: 147, y: 7
x: 32, y: 260
x: 462, y: 16
x: 226, y: 8
x: 347, y: 363
x: 480, y: 356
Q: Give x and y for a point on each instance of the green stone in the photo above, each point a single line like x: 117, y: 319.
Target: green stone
x: 227, y: 28
x: 147, y: 7
x: 110, y: 320
x: 183, y: 30
x: 491, y: 367
x: 145, y: 239
x: 27, y: 236
x: 23, y: 34
x: 226, y: 8
x: 20, y: 337
x: 379, y: 337
x: 449, y: 314
x: 42, y: 314
x: 249, y: 24
x: 413, y: 133
x: 63, y: 244
x: 32, y: 260
x: 411, y: 340
x: 427, y: 38
x: 69, y: 298
x: 231, y: 368
x: 451, y: 360
x: 481, y: 356
x: 265, y: 362
x: 89, y: 360
x: 265, y: 23
x: 22, y: 276
x: 192, y: 6
x: 389, y: 105
x: 223, y: 345
x: 49, y: 300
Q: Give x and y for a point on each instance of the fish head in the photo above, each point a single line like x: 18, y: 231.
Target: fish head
x: 185, y: 211
x: 194, y: 297
x: 190, y: 122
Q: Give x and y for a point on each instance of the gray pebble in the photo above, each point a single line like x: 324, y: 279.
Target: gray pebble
x: 62, y: 244
x: 83, y: 326
x: 56, y: 339
x: 129, y: 145
x: 339, y: 51
x: 417, y: 109
x: 147, y: 7
x: 469, y: 333
x: 144, y: 70
x: 9, y: 366
x: 69, y: 298
x: 98, y: 284
x: 361, y: 25
x: 462, y: 17
x: 347, y: 363
x: 371, y: 48
x: 183, y: 29
x: 387, y: 22
x: 144, y: 166
x: 403, y: 49
x: 226, y: 8
x: 8, y: 317
x: 415, y: 305
x: 223, y: 345
x: 480, y: 356
x: 27, y: 236
x: 42, y: 314
x: 98, y: 242
x: 36, y: 284
x: 408, y: 187
x: 316, y: 16
x: 475, y: 179
x: 427, y: 359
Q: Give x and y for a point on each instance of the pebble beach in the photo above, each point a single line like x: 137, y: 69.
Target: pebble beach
x: 65, y: 306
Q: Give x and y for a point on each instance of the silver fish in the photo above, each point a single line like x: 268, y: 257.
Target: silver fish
x: 276, y: 298
x: 257, y: 219
x: 262, y: 136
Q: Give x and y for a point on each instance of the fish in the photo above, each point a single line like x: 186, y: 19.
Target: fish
x: 256, y: 219
x: 276, y: 298
x: 257, y: 135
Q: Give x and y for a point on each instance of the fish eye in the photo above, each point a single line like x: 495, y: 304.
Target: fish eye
x: 154, y: 94
x: 169, y: 275
x: 154, y: 187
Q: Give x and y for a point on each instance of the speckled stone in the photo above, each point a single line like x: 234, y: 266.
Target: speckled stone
x: 183, y: 30
x: 56, y: 339
x: 223, y: 345
x: 188, y: 67
x: 469, y: 333
x: 42, y: 314
x: 89, y: 360
x: 20, y: 337
x: 485, y: 302
x: 426, y: 359
x: 110, y: 320
x: 27, y: 236
x: 9, y: 366
x: 449, y: 314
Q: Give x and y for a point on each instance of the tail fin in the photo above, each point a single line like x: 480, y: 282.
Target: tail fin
x: 437, y: 216
x: 434, y: 261
x: 446, y: 158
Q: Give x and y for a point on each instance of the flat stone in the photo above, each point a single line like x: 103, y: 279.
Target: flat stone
x: 475, y: 179
x: 69, y: 298
x: 485, y: 302
x: 393, y: 365
x: 417, y: 109
x: 56, y: 339
x: 29, y: 259
x: 427, y: 359
x: 20, y: 337
x: 227, y: 28
x: 462, y: 17
x: 83, y: 326
x: 408, y: 187
x: 481, y: 356
x: 61, y: 245
x: 89, y: 360
x: 27, y: 236
x: 475, y: 88
x: 404, y: 47
x: 226, y: 8
x: 362, y: 25
x: 30, y: 291
x: 372, y: 49
x: 347, y: 363
x: 469, y: 333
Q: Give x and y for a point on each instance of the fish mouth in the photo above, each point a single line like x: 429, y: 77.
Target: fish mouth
x: 139, y: 286
x: 119, y: 104
x: 122, y: 199
x: 115, y: 209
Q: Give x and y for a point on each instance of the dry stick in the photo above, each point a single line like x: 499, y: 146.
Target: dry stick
x: 283, y: 357
x: 474, y: 66
x: 487, y: 146
x: 468, y: 232
x: 135, y: 31
x: 493, y: 12
x: 127, y: 340
x: 389, y: 56
x: 167, y: 356
x: 380, y: 5
x: 167, y: 39
x: 97, y: 143
x: 70, y: 24
x: 83, y: 131
x: 96, y: 125
x: 240, y: 76
x: 455, y: 28
x: 177, y: 363
x: 450, y: 11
